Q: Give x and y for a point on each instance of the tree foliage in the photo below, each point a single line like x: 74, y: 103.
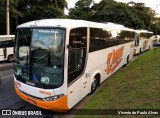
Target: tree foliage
x: 156, y: 26
x: 82, y: 10
x: 27, y: 10
x: 133, y: 15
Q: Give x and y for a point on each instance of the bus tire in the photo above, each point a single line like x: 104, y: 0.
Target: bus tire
x: 94, y: 84
x: 140, y: 51
x: 10, y: 58
x: 127, y: 60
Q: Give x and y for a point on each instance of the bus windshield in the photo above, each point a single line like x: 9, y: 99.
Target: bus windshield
x: 39, y: 56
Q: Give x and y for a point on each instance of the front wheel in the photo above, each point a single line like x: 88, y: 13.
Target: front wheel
x: 94, y: 85
x: 140, y: 51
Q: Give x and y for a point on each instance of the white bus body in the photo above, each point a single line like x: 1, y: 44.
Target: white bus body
x: 94, y: 63
x: 156, y: 40
x: 143, y: 41
x: 6, y: 47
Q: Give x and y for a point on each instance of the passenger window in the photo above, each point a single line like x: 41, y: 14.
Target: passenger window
x: 99, y: 39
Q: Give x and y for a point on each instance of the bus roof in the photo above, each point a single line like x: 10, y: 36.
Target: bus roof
x: 150, y: 32
x: 67, y: 23
x: 114, y: 26
x: 128, y: 29
x: 143, y: 31
x: 63, y: 23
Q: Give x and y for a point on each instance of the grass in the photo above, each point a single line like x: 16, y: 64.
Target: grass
x: 137, y: 86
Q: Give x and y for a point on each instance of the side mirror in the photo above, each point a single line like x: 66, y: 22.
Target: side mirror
x: 70, y: 48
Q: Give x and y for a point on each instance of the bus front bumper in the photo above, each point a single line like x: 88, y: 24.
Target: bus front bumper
x: 59, y: 105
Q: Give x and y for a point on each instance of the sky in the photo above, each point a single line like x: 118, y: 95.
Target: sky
x: 148, y: 3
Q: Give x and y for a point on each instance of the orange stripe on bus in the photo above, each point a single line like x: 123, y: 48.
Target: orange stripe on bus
x: 59, y: 105
x: 134, y: 51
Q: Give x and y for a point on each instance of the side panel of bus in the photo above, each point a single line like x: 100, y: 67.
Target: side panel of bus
x: 1, y: 54
x: 9, y: 54
x: 78, y: 90
x: 98, y: 63
x: 150, y: 43
x: 140, y: 48
x: 102, y: 62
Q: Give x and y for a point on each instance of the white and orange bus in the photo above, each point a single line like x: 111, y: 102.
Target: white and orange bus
x: 6, y: 47
x: 60, y: 61
x: 143, y: 41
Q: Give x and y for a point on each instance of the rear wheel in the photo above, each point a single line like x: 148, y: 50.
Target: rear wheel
x: 127, y: 61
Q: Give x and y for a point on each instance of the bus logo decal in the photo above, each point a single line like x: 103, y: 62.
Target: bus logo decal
x: 45, y: 92
x: 114, y: 59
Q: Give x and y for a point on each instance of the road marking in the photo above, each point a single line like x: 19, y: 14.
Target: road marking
x: 6, y: 77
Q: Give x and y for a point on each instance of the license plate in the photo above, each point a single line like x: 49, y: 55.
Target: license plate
x: 31, y: 101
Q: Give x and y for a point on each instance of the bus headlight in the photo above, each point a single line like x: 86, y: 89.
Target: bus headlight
x: 52, y: 98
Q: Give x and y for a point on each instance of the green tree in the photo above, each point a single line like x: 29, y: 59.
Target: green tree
x: 155, y: 27
x: 145, y: 14
x: 82, y: 10
x: 27, y: 10
x: 2, y: 17
x: 133, y: 15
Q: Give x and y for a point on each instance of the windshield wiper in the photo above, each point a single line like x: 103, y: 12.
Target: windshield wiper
x: 47, y: 54
x: 42, y: 57
x: 27, y: 63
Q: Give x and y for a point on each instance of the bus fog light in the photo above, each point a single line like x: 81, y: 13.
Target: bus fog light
x: 52, y: 98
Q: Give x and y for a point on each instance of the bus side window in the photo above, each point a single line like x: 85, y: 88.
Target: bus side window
x: 75, y: 60
x: 77, y: 53
x: 98, y: 39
